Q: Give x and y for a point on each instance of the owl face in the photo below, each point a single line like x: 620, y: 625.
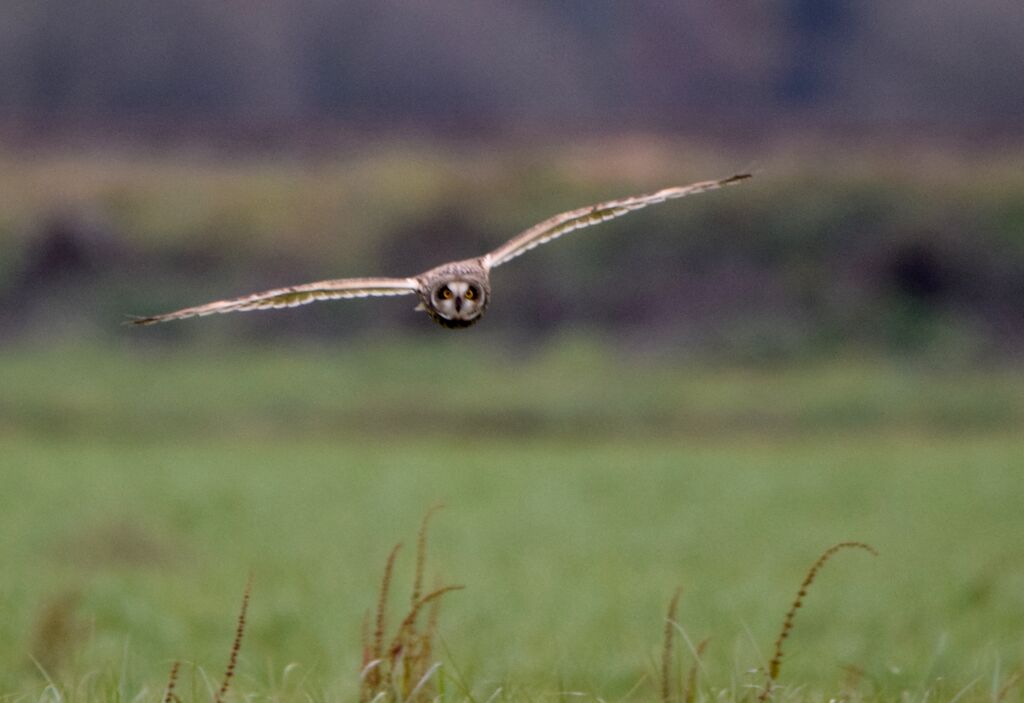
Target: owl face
x: 457, y: 302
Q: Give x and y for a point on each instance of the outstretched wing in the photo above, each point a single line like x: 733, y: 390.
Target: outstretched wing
x: 556, y: 226
x: 293, y: 296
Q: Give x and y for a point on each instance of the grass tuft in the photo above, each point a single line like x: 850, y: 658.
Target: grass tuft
x: 407, y: 630
x: 667, y: 646
x: 1004, y: 690
x: 690, y: 694
x: 421, y: 552
x: 229, y: 672
x: 405, y: 670
x: 172, y: 678
x: 775, y: 665
x: 372, y: 660
x: 56, y: 632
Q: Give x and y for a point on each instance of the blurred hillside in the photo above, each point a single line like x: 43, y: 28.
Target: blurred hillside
x: 910, y: 252
x: 491, y: 65
x: 159, y: 154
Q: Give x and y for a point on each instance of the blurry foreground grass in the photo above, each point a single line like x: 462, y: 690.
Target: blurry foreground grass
x: 140, y: 487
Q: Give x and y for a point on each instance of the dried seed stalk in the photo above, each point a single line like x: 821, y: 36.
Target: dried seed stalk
x: 787, y: 624
x: 229, y: 672
x: 666, y: 647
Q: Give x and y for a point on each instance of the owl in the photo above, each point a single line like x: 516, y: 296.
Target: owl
x: 455, y: 294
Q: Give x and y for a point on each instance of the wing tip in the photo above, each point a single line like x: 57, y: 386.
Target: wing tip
x: 736, y: 178
x: 141, y: 321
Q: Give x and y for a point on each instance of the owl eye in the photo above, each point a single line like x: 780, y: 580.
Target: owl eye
x: 470, y: 293
x: 446, y: 293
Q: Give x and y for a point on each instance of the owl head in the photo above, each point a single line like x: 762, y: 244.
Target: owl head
x: 456, y: 302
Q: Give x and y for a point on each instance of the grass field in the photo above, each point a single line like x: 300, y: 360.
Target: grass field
x: 142, y: 485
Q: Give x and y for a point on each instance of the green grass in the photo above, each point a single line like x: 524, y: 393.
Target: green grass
x: 581, y: 489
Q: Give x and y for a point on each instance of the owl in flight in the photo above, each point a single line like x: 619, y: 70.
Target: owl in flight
x: 455, y: 294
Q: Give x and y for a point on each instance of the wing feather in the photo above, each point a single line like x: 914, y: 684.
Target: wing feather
x: 293, y: 296
x: 556, y: 226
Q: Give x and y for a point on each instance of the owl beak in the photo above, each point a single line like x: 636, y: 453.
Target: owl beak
x: 458, y: 304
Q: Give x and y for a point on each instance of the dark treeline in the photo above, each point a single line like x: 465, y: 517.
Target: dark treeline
x: 478, y: 65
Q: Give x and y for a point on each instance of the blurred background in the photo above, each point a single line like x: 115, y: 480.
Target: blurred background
x: 210, y: 148
x: 830, y: 351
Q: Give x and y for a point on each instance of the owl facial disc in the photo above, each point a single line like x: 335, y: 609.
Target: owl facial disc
x: 457, y: 302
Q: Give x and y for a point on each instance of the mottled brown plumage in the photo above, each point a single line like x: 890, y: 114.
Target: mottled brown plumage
x: 455, y: 294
